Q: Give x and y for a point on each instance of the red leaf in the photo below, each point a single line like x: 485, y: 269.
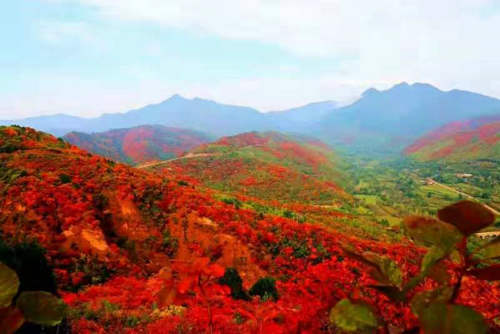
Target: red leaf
x: 11, y: 319
x: 200, y: 263
x: 215, y: 270
x: 491, y: 273
x: 467, y: 216
x: 185, y: 284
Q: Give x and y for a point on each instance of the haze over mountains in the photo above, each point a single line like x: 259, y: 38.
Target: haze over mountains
x: 380, y: 121
x: 391, y: 119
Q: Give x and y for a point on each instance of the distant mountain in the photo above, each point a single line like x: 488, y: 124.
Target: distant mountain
x: 57, y: 125
x: 300, y: 119
x: 197, y: 114
x: 177, y: 111
x: 460, y: 141
x: 380, y: 122
x: 387, y: 121
x: 139, y: 144
x: 266, y: 165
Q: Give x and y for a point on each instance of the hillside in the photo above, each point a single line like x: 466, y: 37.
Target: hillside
x: 267, y: 165
x: 135, y: 252
x: 139, y: 144
x: 467, y: 140
x: 387, y: 121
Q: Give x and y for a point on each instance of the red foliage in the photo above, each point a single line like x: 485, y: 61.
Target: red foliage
x: 140, y: 144
x: 109, y: 222
x: 457, y: 135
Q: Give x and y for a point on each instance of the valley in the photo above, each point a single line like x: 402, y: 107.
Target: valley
x: 159, y: 229
x: 249, y: 167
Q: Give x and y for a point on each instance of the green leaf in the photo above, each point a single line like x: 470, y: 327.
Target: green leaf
x: 430, y: 232
x: 434, y: 255
x: 456, y: 256
x: 41, y: 307
x: 386, y: 267
x: 353, y: 317
x: 491, y: 250
x: 441, y: 318
x: 439, y: 273
x: 423, y: 299
x: 9, y: 284
x: 467, y: 216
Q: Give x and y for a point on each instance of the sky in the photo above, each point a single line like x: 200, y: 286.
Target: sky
x: 88, y: 57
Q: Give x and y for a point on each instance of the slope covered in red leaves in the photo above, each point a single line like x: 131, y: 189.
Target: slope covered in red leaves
x: 269, y: 166
x: 458, y: 141
x: 137, y: 252
x: 140, y: 144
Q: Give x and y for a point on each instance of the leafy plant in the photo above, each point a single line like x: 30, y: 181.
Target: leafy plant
x: 38, y: 307
x: 64, y: 178
x: 28, y: 260
x: 353, y: 317
x: 265, y: 288
x: 233, y: 280
x: 445, y: 238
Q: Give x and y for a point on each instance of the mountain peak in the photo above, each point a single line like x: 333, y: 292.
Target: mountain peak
x: 176, y: 97
x: 402, y: 84
x: 369, y: 92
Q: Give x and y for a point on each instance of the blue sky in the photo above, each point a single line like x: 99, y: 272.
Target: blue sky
x: 87, y: 57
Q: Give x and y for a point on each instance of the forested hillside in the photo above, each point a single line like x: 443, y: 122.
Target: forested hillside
x: 139, y: 144
x: 139, y: 252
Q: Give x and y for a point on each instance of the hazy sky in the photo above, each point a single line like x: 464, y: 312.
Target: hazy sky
x: 86, y: 57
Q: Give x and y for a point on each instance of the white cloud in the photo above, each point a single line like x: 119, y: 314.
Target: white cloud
x: 321, y: 27
x: 448, y: 43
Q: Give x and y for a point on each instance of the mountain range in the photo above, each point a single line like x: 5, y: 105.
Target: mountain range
x: 197, y: 114
x: 379, y: 121
x: 389, y: 120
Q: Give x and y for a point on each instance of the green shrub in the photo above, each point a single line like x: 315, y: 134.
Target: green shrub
x: 265, y: 288
x: 64, y: 178
x: 233, y: 280
x: 28, y: 260
x: 233, y: 201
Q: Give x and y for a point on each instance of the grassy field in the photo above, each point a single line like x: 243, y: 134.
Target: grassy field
x: 390, y: 190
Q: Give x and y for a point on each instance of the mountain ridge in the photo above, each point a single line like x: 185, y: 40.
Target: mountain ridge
x: 380, y: 121
x: 403, y: 112
x: 470, y: 139
x: 139, y: 144
x: 257, y: 164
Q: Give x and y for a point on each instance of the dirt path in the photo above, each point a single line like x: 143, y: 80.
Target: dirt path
x: 187, y: 156
x: 488, y: 235
x: 466, y: 195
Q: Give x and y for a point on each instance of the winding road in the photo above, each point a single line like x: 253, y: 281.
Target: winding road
x: 164, y: 162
